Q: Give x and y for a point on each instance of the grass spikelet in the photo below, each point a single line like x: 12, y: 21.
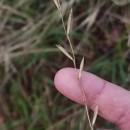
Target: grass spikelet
x: 57, y: 4
x: 95, y: 115
x: 69, y: 22
x: 65, y: 52
x: 81, y: 68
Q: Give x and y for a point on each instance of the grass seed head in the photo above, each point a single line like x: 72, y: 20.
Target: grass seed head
x: 81, y: 68
x: 65, y: 52
x: 69, y: 22
x: 95, y: 115
x: 57, y: 4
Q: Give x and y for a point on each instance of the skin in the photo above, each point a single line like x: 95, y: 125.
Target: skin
x: 113, y: 101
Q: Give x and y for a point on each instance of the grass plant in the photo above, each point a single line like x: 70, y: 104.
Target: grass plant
x: 29, y: 60
x: 67, y: 32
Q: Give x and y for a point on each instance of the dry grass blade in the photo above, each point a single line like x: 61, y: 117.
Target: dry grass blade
x: 7, y: 62
x: 69, y: 22
x: 126, y: 11
x: 90, y: 20
x: 65, y: 52
x: 95, y: 115
x: 121, y: 2
x: 81, y: 68
x: 57, y: 4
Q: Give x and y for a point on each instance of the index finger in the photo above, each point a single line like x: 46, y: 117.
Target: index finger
x: 112, y: 100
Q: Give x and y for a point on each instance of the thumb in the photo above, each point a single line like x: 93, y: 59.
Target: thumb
x: 112, y: 100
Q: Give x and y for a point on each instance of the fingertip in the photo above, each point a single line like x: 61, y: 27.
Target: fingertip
x: 66, y: 83
x: 60, y: 77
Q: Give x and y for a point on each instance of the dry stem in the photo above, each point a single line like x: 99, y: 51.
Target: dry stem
x: 74, y: 62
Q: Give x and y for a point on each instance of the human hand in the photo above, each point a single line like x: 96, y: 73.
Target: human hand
x: 113, y: 101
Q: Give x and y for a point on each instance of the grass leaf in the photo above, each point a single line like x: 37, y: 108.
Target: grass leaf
x: 69, y: 22
x: 121, y: 2
x: 95, y: 115
x: 65, y: 52
x: 81, y: 68
x: 126, y: 13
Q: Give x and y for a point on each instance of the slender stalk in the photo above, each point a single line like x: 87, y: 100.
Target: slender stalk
x: 85, y: 102
x: 80, y: 82
x: 63, y: 23
x: 74, y: 62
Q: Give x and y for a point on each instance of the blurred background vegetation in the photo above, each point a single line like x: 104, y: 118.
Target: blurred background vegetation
x: 29, y: 30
